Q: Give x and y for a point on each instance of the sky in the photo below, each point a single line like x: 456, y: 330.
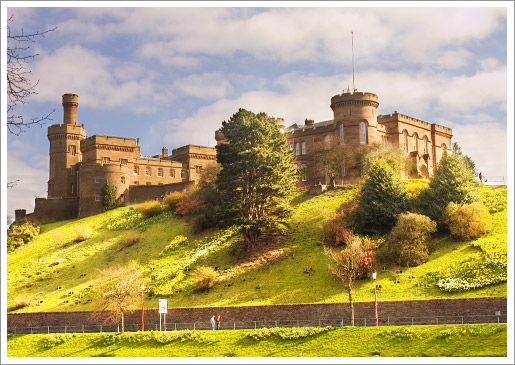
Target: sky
x: 170, y: 75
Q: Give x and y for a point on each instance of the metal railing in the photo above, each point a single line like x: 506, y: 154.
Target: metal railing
x: 234, y: 325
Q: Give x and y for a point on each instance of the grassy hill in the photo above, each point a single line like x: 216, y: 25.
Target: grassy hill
x: 289, y: 269
x: 410, y: 341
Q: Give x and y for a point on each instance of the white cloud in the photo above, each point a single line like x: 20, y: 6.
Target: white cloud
x: 486, y: 144
x: 32, y: 182
x: 208, y: 86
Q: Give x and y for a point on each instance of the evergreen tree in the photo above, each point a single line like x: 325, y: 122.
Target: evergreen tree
x: 257, y: 174
x: 453, y: 181
x: 109, y: 196
x: 381, y: 200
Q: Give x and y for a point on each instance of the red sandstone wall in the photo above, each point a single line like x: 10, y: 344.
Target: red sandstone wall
x: 417, y: 308
x: 47, y: 210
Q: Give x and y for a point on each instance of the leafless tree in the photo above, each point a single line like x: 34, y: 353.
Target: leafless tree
x: 20, y: 86
x: 348, y: 267
x: 11, y: 184
x: 332, y: 156
x: 119, y: 290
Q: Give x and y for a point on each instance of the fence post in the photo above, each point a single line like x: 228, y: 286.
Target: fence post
x: 341, y: 323
x: 193, y: 325
x: 388, y: 321
x: 298, y: 323
x: 65, y: 329
x: 234, y: 325
x: 412, y: 320
x: 319, y: 323
x: 31, y: 330
x: 255, y: 324
x: 461, y: 319
x: 118, y: 328
x: 100, y: 328
x: 365, y: 322
x: 48, y: 329
x: 82, y: 328
x: 175, y: 326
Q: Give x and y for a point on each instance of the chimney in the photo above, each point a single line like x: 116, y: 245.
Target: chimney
x: 309, y: 121
x: 70, y: 104
x: 165, y: 152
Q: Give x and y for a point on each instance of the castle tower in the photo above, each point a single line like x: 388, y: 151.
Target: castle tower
x: 65, y: 151
x: 355, y: 117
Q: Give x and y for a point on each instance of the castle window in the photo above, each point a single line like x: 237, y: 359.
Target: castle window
x: 72, y: 169
x: 160, y: 172
x: 123, y: 161
x: 297, y: 149
x: 136, y: 170
x: 303, y: 148
x: 291, y: 146
x: 136, y: 182
x: 405, y: 141
x: 147, y: 171
x: 327, y: 141
x: 73, y: 150
x: 415, y: 144
x: 341, y: 133
x: 98, y: 197
x: 122, y: 179
x: 425, y: 145
x: 72, y: 189
x: 105, y: 160
x: 363, y: 132
x: 198, y: 169
x: 172, y: 173
x: 183, y: 174
x: 98, y: 179
x: 304, y: 169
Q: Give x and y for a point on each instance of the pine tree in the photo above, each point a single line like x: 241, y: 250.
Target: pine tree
x: 453, y: 181
x: 257, y: 174
x: 381, y: 200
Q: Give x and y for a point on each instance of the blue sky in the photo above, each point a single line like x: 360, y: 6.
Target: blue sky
x: 169, y: 76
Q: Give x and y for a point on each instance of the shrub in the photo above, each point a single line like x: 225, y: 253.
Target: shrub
x: 453, y: 181
x: 187, y: 204
x: 335, y: 232
x: 109, y: 196
x: 467, y: 221
x: 150, y: 208
x: 199, y: 209
x: 83, y: 233
x: 21, y: 301
x: 21, y: 233
x: 407, y: 243
x: 171, y: 200
x: 203, y: 278
x: 381, y: 200
x: 130, y: 239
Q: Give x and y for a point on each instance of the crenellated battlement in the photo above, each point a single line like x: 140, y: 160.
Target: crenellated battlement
x: 441, y: 129
x: 398, y: 117
x: 363, y: 98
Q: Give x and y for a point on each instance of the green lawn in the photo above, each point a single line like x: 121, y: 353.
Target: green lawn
x: 284, y: 271
x: 410, y: 341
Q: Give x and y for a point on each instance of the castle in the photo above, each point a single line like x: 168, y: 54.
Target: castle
x: 80, y: 166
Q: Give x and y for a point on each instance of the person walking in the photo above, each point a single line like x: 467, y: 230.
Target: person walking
x: 212, y: 320
x: 480, y: 177
x: 217, y: 321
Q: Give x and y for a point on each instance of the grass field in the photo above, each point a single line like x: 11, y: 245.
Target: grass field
x: 410, y: 341
x: 284, y: 271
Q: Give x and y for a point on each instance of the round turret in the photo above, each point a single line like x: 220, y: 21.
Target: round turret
x: 70, y: 104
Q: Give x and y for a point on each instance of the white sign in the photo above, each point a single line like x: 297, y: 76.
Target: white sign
x: 163, y: 306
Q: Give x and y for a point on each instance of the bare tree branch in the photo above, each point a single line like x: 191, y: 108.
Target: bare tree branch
x: 20, y: 87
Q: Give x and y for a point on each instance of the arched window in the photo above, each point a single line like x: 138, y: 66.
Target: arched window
x: 303, y: 148
x: 291, y: 146
x: 405, y: 140
x: 363, y: 132
x: 415, y: 142
x: 297, y: 149
x: 341, y: 133
x: 444, y: 147
x: 425, y: 145
x: 304, y: 169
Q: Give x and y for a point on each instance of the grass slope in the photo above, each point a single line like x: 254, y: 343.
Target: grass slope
x: 409, y: 341
x: 292, y: 269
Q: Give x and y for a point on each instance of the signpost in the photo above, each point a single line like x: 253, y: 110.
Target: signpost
x: 163, y: 309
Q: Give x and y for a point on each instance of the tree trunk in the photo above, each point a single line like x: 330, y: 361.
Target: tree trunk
x: 123, y: 323
x: 349, y: 289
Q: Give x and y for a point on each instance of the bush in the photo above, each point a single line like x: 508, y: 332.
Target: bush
x: 381, y: 200
x: 467, y: 221
x: 407, y: 243
x: 203, y: 278
x: 150, y: 208
x: 199, y: 209
x: 130, y: 239
x: 83, y: 233
x: 109, y: 196
x: 335, y: 232
x: 187, y: 205
x: 21, y: 233
x: 171, y: 200
x: 21, y: 301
